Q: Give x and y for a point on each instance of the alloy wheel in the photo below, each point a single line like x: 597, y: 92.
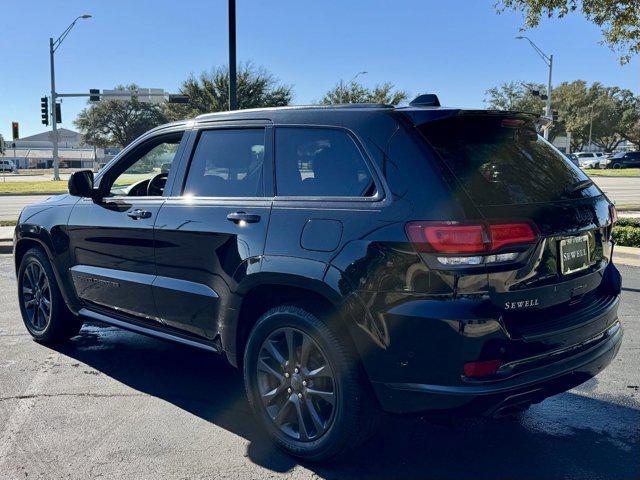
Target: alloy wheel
x: 296, y: 384
x: 36, y: 296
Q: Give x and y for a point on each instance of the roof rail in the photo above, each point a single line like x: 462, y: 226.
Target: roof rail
x: 426, y: 100
x: 344, y: 106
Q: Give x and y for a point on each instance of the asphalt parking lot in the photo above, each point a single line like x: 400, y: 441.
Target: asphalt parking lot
x: 114, y: 404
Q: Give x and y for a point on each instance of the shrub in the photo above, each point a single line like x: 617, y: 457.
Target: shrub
x: 627, y: 235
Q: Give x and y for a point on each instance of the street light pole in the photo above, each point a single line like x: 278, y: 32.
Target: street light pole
x: 233, y: 92
x: 54, y: 119
x: 548, y: 60
x: 350, y: 82
x: 53, y: 46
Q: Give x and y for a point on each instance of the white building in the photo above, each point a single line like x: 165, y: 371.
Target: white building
x: 36, y: 151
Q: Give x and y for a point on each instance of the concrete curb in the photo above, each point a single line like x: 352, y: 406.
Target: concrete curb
x: 6, y: 247
x: 626, y: 255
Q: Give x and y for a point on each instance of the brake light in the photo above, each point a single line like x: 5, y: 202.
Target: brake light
x: 481, y: 369
x: 456, y: 238
x: 510, y: 233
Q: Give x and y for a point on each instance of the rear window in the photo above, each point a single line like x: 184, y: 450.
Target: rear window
x: 503, y: 161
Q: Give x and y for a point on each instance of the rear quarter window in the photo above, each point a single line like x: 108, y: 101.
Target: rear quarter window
x: 320, y: 162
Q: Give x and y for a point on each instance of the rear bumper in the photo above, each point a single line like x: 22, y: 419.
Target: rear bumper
x: 529, y: 386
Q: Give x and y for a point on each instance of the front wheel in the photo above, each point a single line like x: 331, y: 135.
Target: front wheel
x: 305, y: 385
x: 43, y: 309
x: 616, y: 166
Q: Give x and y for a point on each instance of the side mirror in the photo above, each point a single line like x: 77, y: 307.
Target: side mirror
x: 81, y: 184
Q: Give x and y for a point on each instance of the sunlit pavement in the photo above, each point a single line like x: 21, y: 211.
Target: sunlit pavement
x: 119, y: 405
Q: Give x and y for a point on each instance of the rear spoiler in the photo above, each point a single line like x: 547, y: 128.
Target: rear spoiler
x: 420, y: 116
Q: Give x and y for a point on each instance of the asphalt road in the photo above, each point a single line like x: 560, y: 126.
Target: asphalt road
x: 12, y: 205
x: 621, y: 190
x: 119, y: 405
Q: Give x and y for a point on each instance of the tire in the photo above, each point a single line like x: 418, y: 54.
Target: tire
x: 336, y: 427
x: 50, y: 323
x: 616, y: 166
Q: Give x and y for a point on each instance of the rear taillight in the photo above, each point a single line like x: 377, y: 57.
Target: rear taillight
x: 464, y: 239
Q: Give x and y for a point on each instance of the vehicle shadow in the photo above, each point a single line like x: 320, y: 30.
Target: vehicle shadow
x: 569, y: 435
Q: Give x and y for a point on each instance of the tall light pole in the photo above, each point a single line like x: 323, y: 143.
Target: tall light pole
x: 233, y: 91
x: 53, y: 46
x: 353, y: 79
x: 548, y: 60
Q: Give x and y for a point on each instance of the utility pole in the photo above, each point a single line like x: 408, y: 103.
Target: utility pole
x: 548, y: 109
x: 53, y: 46
x: 54, y: 119
x: 341, y: 94
x: 548, y: 59
x: 233, y: 90
x: 590, y: 128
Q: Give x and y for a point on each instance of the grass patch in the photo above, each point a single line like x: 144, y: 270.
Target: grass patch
x: 33, y: 188
x: 8, y: 223
x: 623, y: 172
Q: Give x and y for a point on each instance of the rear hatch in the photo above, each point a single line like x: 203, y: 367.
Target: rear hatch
x: 514, y: 177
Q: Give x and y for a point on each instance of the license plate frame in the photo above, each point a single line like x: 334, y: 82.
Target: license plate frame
x: 569, y: 265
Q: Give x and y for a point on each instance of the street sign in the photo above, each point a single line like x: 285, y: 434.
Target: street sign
x: 145, y: 95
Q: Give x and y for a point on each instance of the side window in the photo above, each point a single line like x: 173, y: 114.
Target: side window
x: 227, y: 163
x: 320, y: 162
x: 144, y: 171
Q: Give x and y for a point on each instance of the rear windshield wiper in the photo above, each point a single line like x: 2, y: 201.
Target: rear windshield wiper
x: 581, y: 185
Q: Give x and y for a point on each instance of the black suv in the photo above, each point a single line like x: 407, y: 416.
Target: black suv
x: 623, y: 160
x: 349, y: 259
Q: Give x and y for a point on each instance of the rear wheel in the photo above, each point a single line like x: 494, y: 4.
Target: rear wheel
x: 305, y: 385
x: 43, y: 309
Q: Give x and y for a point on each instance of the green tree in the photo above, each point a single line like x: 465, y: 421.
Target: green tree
x: 618, y: 19
x: 571, y: 101
x: 1, y: 144
x: 516, y: 96
x: 210, y: 92
x: 355, y: 92
x: 610, y: 114
x: 116, y: 123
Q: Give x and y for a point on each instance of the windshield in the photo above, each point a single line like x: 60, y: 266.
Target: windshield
x: 618, y: 155
x: 501, y: 160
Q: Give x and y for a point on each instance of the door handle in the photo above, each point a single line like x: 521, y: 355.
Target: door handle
x: 138, y: 213
x: 237, y: 217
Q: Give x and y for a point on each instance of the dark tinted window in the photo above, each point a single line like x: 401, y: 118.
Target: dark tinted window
x: 227, y: 163
x: 320, y: 162
x: 502, y: 161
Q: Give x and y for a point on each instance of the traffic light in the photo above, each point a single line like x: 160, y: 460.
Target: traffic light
x: 44, y: 110
x: 554, y: 115
x: 58, y: 113
x: 94, y: 95
x: 15, y: 130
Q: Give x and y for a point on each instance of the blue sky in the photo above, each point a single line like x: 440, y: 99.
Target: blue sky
x: 455, y: 48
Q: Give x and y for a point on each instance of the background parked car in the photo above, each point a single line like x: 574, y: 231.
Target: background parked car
x: 7, y: 166
x: 585, y: 156
x: 622, y: 160
x: 591, y: 163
